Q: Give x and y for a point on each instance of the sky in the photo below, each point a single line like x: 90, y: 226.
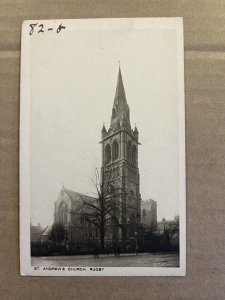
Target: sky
x: 73, y: 82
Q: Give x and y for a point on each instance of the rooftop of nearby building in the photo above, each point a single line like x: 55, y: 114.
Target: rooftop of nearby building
x: 148, y: 202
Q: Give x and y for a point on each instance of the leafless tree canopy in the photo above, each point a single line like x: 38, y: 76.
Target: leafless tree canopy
x: 106, y: 208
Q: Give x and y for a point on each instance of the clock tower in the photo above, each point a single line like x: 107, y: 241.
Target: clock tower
x: 120, y: 160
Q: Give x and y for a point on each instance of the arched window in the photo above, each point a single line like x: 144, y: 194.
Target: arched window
x: 117, y: 171
x: 90, y: 232
x: 82, y: 219
x: 132, y: 218
x: 129, y: 151
x: 134, y: 154
x: 62, y: 213
x: 107, y: 153
x: 144, y: 212
x: 115, y: 150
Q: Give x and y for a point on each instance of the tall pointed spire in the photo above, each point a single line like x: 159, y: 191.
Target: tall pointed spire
x: 120, y: 95
x: 120, y: 111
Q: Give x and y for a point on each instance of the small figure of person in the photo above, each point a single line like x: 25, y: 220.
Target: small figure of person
x: 95, y: 252
x: 118, y: 251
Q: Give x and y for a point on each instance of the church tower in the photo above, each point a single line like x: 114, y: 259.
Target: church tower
x: 120, y: 158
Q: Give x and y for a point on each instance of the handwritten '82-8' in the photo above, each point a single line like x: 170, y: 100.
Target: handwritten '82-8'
x: 40, y: 28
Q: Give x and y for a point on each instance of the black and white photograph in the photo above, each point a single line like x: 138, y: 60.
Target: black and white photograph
x: 102, y: 148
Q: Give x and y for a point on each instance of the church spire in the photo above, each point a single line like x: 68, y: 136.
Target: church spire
x: 120, y: 111
x: 120, y: 96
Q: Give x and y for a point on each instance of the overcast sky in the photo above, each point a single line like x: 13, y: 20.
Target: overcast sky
x: 73, y: 82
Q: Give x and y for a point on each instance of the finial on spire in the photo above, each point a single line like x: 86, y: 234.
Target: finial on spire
x: 135, y: 129
x: 103, y: 129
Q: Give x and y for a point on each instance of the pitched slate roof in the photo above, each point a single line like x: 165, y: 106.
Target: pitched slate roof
x: 75, y: 196
x: 78, y: 199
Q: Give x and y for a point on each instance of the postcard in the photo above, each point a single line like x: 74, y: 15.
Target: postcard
x: 102, y: 148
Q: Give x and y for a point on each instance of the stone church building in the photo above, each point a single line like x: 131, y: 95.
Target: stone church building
x: 120, y: 165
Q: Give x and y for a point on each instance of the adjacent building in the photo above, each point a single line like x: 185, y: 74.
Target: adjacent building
x: 171, y: 225
x: 36, y: 233
x: 171, y: 228
x: 149, y: 214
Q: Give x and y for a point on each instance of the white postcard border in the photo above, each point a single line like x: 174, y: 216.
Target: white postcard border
x: 24, y: 174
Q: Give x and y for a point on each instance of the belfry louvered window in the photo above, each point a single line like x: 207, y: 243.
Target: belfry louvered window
x: 107, y: 153
x: 115, y: 150
x: 129, y: 150
x: 134, y: 154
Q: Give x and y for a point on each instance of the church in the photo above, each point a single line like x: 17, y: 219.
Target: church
x: 120, y: 165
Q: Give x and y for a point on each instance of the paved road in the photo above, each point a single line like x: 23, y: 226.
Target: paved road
x: 125, y: 260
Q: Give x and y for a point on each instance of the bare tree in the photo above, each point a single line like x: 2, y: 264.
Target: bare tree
x: 57, y: 233
x: 105, y: 208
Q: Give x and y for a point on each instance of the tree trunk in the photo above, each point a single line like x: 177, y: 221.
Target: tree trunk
x: 102, y: 238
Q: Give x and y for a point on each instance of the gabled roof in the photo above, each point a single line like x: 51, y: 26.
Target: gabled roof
x: 75, y: 196
x: 77, y: 200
